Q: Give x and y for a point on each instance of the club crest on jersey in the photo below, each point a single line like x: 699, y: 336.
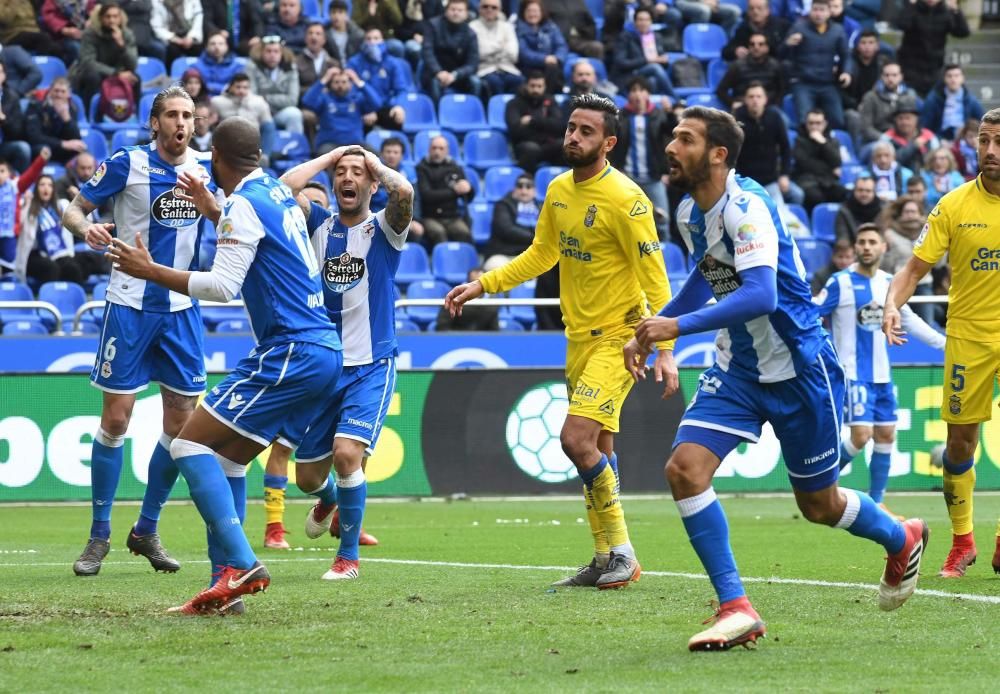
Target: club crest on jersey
x: 870, y: 317
x: 172, y: 211
x: 955, y: 404
x: 368, y: 230
x: 343, y: 272
x: 588, y: 221
x: 99, y: 174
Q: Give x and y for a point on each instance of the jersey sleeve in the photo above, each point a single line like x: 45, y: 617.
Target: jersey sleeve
x: 642, y: 252
x: 935, y: 238
x: 239, y: 232
x: 317, y: 215
x: 395, y: 240
x: 829, y: 298
x: 916, y: 326
x: 754, y: 236
x: 541, y: 255
x: 109, y: 179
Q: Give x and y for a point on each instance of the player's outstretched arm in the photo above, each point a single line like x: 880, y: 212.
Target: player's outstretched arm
x: 399, y: 208
x: 96, y: 235
x: 137, y: 262
x: 903, y: 284
x: 297, y: 177
x: 461, y: 294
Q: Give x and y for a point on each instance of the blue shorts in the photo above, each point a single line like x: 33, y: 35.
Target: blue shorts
x: 277, y: 392
x: 870, y: 404
x: 804, y: 411
x: 137, y: 347
x: 356, y: 410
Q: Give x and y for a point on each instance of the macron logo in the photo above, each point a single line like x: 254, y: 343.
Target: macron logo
x: 235, y: 401
x: 743, y: 203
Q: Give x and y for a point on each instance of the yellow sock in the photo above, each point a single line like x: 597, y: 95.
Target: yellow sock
x: 274, y: 504
x: 958, y: 496
x: 601, y: 545
x: 604, y: 492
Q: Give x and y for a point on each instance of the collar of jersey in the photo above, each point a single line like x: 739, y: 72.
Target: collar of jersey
x: 596, y: 177
x: 256, y: 173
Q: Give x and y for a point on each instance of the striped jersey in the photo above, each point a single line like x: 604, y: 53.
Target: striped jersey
x: 359, y: 266
x: 744, y: 230
x: 143, y: 187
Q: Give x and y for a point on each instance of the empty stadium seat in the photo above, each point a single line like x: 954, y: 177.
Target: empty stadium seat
x: 461, y: 113
x: 12, y: 290
x: 293, y: 148
x: 405, y: 325
x: 414, y: 265
x: 422, y: 142
x: 233, y: 325
x: 543, y: 177
x: 481, y: 213
x: 180, y: 66
x: 496, y: 111
x: 500, y: 180
x: 509, y: 325
x: 473, y: 177
x: 486, y: 148
x: 65, y: 296
x: 788, y: 106
x: 54, y: 170
x: 815, y: 254
x: 149, y: 69
x: 427, y: 289
x: 128, y: 137
x: 525, y: 315
x: 704, y: 99
x: 82, y: 118
x: 823, y: 217
x: 145, y: 108
x: 376, y: 137
x: 846, y: 146
x: 451, y: 261
x: 50, y: 67
x: 849, y: 174
x: 800, y: 212
x: 24, y: 327
x: 311, y: 9
x: 673, y: 258
x: 420, y: 113
x: 716, y: 69
x: 704, y: 41
x: 97, y: 144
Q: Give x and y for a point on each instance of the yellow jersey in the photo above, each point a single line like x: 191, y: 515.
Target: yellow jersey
x: 602, y: 234
x: 965, y: 224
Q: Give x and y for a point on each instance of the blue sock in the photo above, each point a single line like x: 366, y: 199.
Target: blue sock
x: 214, y: 499
x: 708, y: 530
x: 216, y: 554
x: 613, y: 462
x: 162, y: 476
x: 238, y: 486
x: 275, y: 481
x: 106, y: 457
x: 351, y: 494
x: 878, y: 471
x: 847, y: 453
x: 864, y: 518
x: 588, y: 476
x: 327, y: 494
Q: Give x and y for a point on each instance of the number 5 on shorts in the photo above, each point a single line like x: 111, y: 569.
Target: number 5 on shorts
x: 957, y: 377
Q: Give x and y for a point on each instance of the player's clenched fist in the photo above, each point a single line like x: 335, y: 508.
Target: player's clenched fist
x: 98, y: 236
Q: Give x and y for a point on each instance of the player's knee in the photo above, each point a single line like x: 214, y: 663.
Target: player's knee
x: 307, y: 477
x: 885, y: 437
x: 683, y: 474
x: 115, y: 422
x: 575, y: 448
x: 960, y: 448
x: 347, y: 455
x: 819, y: 510
x: 860, y: 438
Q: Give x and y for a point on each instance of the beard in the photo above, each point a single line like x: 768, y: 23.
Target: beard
x: 581, y: 158
x: 687, y: 181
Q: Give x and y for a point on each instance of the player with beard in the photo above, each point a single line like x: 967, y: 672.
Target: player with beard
x: 774, y: 363
x: 150, y: 333
x: 598, y: 225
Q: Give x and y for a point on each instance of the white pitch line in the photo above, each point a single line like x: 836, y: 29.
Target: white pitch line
x: 971, y: 597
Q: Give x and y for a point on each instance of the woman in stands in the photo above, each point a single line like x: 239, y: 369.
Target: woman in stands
x: 541, y: 46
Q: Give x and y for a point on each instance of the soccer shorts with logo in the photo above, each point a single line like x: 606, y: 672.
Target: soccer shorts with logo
x: 137, y: 347
x: 870, y: 404
x: 970, y: 371
x: 597, y: 382
x: 276, y: 391
x: 805, y: 413
x: 356, y: 410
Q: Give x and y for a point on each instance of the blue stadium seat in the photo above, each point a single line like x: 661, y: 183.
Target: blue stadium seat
x: 800, y: 212
x: 145, y: 108
x: 233, y: 325
x: 500, y: 181
x: 486, y: 148
x: 311, y: 9
x: 599, y: 67
x: 422, y: 142
x: 461, y: 113
x: 294, y: 149
x: 376, y: 137
x: 420, y: 112
x: 525, y: 315
x: 742, y: 4
x: 128, y: 137
x: 481, y: 213
x: 704, y: 41
x: 89, y: 328
x: 846, y: 146
x: 716, y: 69
x: 849, y: 174
x: 815, y: 254
x: 427, y: 289
x: 65, y: 296
x: 596, y: 8
x: 673, y: 258
x: 12, y: 290
x: 212, y: 316
x: 409, y: 170
x: 180, y: 66
x: 100, y: 291
x: 473, y: 177
x: 82, y: 118
x: 788, y: 106
x: 823, y: 217
x: 56, y: 171
x: 97, y: 144
x: 149, y: 69
x: 510, y: 325
x: 793, y: 135
x: 105, y: 125
x: 414, y: 265
x: 24, y: 327
x: 543, y: 177
x: 496, y: 111
x: 50, y: 67
x: 451, y: 261
x: 705, y: 99
x: 405, y: 325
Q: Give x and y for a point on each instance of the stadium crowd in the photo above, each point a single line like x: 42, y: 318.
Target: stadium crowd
x: 466, y: 97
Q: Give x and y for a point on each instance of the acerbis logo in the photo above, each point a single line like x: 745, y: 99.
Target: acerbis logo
x: 533, y: 427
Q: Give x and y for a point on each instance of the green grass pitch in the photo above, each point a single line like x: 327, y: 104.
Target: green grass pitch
x: 456, y: 599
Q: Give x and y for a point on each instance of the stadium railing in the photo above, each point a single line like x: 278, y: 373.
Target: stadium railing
x: 38, y: 305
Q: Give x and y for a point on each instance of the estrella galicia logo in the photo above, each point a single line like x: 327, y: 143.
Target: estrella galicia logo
x: 172, y: 211
x: 870, y: 317
x: 343, y: 272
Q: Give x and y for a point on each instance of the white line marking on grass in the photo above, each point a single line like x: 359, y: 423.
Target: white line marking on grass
x: 971, y: 597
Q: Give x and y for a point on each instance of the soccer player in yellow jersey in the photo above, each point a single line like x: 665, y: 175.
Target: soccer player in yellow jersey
x: 598, y: 225
x: 966, y: 226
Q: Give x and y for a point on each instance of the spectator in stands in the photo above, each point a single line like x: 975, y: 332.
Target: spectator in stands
x: 902, y: 220
x: 178, y: 24
x: 78, y: 172
x: 850, y: 25
x: 384, y: 15
x: 217, y: 64
x: 391, y: 153
x: 205, y: 120
x: 140, y: 21
x: 273, y: 75
x: 866, y: 67
x: 241, y: 35
x: 19, y: 27
x: 766, y: 154
x: 513, y: 227
x: 911, y: 141
x: 22, y: 73
x: 535, y: 124
x: 861, y: 207
x: 820, y: 61
x: 940, y: 174
x: 890, y: 177
x: 842, y: 258
x: 451, y: 53
x: 290, y: 24
x: 583, y: 80
x: 541, y: 45
x: 388, y: 76
x: 238, y: 100
x: 617, y: 18
x: 641, y: 51
x: 13, y: 147
x: 344, y: 38
x: 416, y: 14
x: 484, y: 318
x: 644, y: 127
x: 817, y: 161
x: 965, y: 151
x: 577, y: 26
x: 917, y: 188
x: 65, y: 21
x: 756, y: 65
x: 758, y: 20
x: 194, y: 85
x: 949, y: 104
x: 442, y: 186
x: 54, y: 123
x: 314, y: 60
x: 343, y: 109
x: 879, y: 106
x: 498, y: 50
x: 926, y: 25
x: 107, y: 48
x: 12, y: 188
x: 704, y: 11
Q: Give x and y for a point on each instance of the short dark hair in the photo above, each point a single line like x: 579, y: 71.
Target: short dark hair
x: 534, y: 75
x: 637, y: 81
x: 389, y: 142
x: 913, y: 181
x: 322, y: 26
x: 951, y: 66
x: 108, y: 5
x: 867, y: 176
x: 527, y: 3
x: 239, y: 77
x: 237, y: 141
x: 822, y: 2
x: 338, y: 5
x: 755, y: 84
x: 761, y: 34
x: 887, y: 64
x: 316, y: 185
x: 449, y: 3
x: 646, y: 10
x: 721, y: 130
x: 872, y: 227
x: 605, y: 106
x: 814, y: 111
x: 868, y: 33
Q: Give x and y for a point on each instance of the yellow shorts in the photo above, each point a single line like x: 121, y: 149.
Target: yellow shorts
x: 596, y: 379
x: 970, y: 371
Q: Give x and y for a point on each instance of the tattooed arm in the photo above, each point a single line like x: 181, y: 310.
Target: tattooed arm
x: 399, y: 209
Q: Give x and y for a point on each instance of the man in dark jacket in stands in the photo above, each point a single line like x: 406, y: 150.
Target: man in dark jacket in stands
x: 758, y: 20
x: 756, y: 66
x: 817, y: 161
x: 926, y: 25
x: 13, y: 148
x: 513, y: 227
x: 54, y: 123
x: 22, y: 73
x: 535, y: 124
x: 577, y: 25
x: 766, y: 155
x: 451, y: 53
x: 862, y: 206
x: 442, y: 185
x: 820, y: 58
x: 242, y: 35
x: 949, y: 104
